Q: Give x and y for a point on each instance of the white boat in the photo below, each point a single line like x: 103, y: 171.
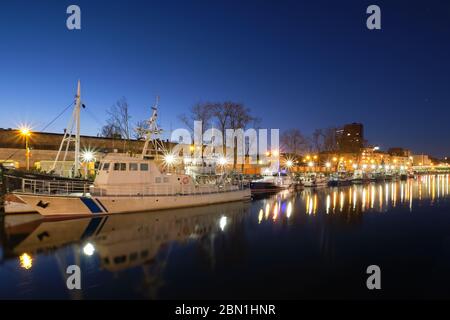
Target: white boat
x: 315, y: 180
x: 126, y: 184
x: 130, y: 184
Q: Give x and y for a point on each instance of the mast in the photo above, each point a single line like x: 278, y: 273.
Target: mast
x: 153, y: 144
x: 69, y: 136
x: 77, y: 136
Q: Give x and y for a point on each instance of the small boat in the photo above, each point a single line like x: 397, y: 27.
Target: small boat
x: 358, y: 177
x: 315, y: 180
x: 271, y: 183
x: 376, y: 177
x: 339, y: 179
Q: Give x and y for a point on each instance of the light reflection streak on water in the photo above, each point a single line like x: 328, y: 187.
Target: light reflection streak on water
x: 358, y: 198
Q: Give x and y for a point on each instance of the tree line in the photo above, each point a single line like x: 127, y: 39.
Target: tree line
x: 220, y: 115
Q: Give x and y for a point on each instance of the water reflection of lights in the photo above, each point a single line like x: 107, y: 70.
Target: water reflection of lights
x: 357, y: 198
x: 89, y: 249
x: 289, y: 209
x: 328, y: 204
x: 26, y: 261
x: 222, y: 222
x: 260, y: 215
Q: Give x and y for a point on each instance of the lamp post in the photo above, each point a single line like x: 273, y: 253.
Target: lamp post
x: 26, y: 133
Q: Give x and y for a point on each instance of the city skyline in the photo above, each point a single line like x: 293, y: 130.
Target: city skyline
x: 318, y: 68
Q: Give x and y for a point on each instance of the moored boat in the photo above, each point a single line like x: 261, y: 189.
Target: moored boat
x: 315, y: 180
x: 127, y: 184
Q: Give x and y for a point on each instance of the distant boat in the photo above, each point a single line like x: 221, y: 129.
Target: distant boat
x: 339, y: 179
x: 315, y: 180
x: 271, y: 184
x: 358, y: 177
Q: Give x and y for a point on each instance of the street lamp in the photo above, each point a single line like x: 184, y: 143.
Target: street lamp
x: 25, y: 132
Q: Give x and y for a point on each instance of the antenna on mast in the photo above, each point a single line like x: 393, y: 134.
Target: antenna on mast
x: 153, y: 146
x: 70, y: 136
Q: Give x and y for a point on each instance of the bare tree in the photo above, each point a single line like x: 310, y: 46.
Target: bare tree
x: 239, y: 118
x: 139, y: 130
x: 199, y: 112
x: 293, y: 141
x: 317, y: 140
x: 118, y: 122
x: 329, y: 139
x: 110, y: 130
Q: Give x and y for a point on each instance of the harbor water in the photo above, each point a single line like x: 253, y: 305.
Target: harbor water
x: 314, y: 243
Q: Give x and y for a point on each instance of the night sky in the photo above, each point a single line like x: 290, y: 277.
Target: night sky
x: 303, y: 64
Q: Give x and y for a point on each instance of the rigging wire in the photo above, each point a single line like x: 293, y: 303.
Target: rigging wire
x: 46, y: 126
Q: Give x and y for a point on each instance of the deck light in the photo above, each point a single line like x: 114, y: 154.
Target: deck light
x: 169, y: 159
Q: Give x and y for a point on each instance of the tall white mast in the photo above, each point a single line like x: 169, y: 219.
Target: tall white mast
x: 77, y: 135
x: 70, y: 137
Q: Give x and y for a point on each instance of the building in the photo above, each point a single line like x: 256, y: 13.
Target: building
x: 350, y: 138
x: 421, y: 160
x: 399, y: 152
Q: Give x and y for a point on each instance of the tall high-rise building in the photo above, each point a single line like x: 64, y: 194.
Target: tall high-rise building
x: 350, y: 138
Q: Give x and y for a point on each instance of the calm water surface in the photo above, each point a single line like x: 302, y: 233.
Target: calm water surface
x: 309, y: 244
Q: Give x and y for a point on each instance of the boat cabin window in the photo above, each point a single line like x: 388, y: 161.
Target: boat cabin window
x: 120, y: 166
x: 158, y: 180
x: 166, y: 179
x: 133, y: 166
x: 144, y: 166
x: 105, y: 166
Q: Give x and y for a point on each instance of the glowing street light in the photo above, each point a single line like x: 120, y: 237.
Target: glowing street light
x: 223, y: 161
x: 25, y: 132
x: 289, y: 163
x: 310, y: 164
x: 87, y: 156
x: 328, y: 165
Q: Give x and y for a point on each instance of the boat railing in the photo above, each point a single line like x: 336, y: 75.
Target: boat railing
x: 54, y: 187
x: 162, y: 190
x: 68, y: 187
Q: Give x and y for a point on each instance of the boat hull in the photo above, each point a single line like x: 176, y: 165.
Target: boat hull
x: 49, y: 205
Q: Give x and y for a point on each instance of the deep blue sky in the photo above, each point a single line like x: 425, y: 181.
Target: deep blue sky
x: 305, y: 64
